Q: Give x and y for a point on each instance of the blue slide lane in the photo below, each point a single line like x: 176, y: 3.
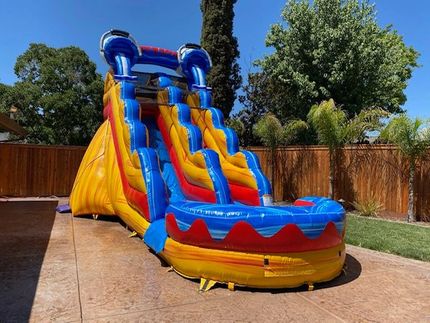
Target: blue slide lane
x: 156, y: 142
x: 147, y: 156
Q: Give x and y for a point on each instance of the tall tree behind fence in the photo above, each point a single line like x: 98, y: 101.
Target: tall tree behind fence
x: 363, y: 172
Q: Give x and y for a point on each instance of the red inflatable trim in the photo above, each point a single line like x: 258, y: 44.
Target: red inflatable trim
x: 244, y: 194
x: 303, y: 203
x: 107, y: 111
x: 157, y: 50
x: 243, y: 237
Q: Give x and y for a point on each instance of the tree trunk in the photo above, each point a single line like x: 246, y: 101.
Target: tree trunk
x: 411, y: 192
x: 272, y: 159
x: 332, y: 156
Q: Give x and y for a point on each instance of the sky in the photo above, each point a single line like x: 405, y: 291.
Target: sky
x: 171, y: 23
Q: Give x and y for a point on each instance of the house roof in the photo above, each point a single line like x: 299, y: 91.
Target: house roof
x: 11, y: 125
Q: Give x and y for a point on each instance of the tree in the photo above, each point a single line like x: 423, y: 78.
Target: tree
x: 334, y: 49
x: 272, y: 134
x: 217, y: 38
x: 4, y: 89
x: 335, y: 129
x: 261, y: 95
x: 255, y: 105
x: 58, y: 94
x: 413, y: 139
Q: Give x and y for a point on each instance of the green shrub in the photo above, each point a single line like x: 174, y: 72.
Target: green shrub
x: 370, y: 207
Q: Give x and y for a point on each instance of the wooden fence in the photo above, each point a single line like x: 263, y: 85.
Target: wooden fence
x: 363, y: 172
x: 36, y: 170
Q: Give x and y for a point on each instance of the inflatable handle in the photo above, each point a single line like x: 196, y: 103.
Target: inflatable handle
x: 194, y: 64
x: 121, y: 51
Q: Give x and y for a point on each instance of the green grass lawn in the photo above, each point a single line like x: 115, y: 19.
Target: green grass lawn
x: 411, y: 241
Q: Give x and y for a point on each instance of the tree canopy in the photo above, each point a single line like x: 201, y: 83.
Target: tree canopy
x: 4, y: 90
x: 217, y: 38
x: 58, y: 95
x: 334, y: 129
x: 331, y: 49
x: 273, y: 134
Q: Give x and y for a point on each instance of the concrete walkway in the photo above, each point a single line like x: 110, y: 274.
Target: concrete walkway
x: 55, y: 268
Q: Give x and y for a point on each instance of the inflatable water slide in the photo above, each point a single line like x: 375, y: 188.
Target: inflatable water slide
x: 164, y: 162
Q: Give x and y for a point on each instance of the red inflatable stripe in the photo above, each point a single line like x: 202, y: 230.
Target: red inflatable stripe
x: 303, y: 203
x: 107, y: 110
x: 243, y: 237
x: 159, y: 50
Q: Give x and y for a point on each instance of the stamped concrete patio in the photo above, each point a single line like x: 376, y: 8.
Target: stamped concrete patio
x: 56, y: 268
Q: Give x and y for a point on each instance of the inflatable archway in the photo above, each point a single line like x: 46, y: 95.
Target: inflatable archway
x: 164, y: 162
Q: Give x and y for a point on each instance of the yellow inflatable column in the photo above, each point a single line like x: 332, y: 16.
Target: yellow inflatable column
x: 89, y: 194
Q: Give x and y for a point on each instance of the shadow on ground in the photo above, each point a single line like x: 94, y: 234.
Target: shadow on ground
x: 352, y: 270
x: 25, y: 232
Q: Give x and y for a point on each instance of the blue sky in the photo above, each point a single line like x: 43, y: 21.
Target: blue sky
x: 170, y: 23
